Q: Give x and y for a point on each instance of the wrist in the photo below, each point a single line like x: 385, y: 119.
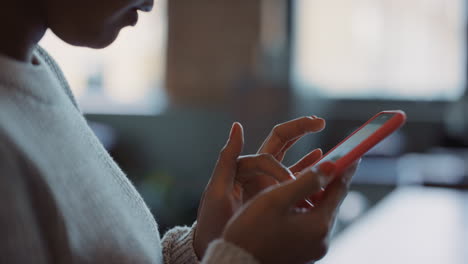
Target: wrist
x: 200, y: 242
x: 240, y: 243
x: 222, y: 251
x: 199, y: 251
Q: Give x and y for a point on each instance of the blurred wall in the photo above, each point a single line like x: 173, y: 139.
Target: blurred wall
x: 211, y: 49
x: 213, y: 55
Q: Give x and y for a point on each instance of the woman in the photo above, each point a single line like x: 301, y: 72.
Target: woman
x: 64, y: 200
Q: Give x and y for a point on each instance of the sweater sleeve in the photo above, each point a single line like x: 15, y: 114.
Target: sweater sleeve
x: 177, y: 246
x: 178, y: 249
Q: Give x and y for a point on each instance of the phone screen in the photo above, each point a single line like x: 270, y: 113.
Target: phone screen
x: 356, y: 139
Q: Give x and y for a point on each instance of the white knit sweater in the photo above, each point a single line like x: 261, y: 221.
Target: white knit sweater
x: 62, y: 197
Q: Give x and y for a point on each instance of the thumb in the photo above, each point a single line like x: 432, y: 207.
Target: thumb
x: 308, y: 182
x: 226, y: 167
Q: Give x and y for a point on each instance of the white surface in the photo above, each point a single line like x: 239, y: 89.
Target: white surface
x: 412, y: 225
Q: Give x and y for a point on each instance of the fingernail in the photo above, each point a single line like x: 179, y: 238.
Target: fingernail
x: 314, y: 116
x: 234, y: 129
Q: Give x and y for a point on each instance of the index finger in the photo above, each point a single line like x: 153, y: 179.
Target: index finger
x: 284, y: 133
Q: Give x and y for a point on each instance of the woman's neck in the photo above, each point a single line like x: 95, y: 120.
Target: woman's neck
x: 21, y: 29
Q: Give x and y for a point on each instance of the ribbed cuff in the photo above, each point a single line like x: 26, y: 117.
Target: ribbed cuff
x: 178, y: 246
x: 221, y: 251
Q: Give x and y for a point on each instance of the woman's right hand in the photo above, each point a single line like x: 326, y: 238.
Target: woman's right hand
x: 274, y: 231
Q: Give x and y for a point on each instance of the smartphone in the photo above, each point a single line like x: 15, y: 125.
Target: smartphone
x: 352, y: 148
x: 363, y: 139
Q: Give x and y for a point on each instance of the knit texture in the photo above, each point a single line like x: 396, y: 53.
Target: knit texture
x: 175, y: 244
x: 63, y: 199
x: 58, y: 74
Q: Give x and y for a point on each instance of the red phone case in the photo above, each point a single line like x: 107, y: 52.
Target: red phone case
x: 390, y: 126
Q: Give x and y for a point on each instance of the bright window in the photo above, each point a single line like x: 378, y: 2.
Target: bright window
x: 389, y: 49
x: 125, y: 78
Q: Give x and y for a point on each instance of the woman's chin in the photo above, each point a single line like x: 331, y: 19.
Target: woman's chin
x: 107, y: 36
x: 97, y: 40
x: 102, y: 42
x: 95, y: 34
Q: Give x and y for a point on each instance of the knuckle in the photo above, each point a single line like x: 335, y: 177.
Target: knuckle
x: 306, y: 125
x: 303, y: 119
x: 277, y: 127
x: 277, y: 132
x: 304, y: 122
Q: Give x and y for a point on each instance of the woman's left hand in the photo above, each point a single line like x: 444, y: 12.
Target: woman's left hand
x: 236, y: 180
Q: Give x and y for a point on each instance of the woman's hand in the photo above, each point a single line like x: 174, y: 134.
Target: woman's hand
x: 273, y: 230
x: 236, y: 179
x: 278, y: 142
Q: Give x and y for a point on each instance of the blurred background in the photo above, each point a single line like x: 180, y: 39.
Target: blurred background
x: 163, y: 97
